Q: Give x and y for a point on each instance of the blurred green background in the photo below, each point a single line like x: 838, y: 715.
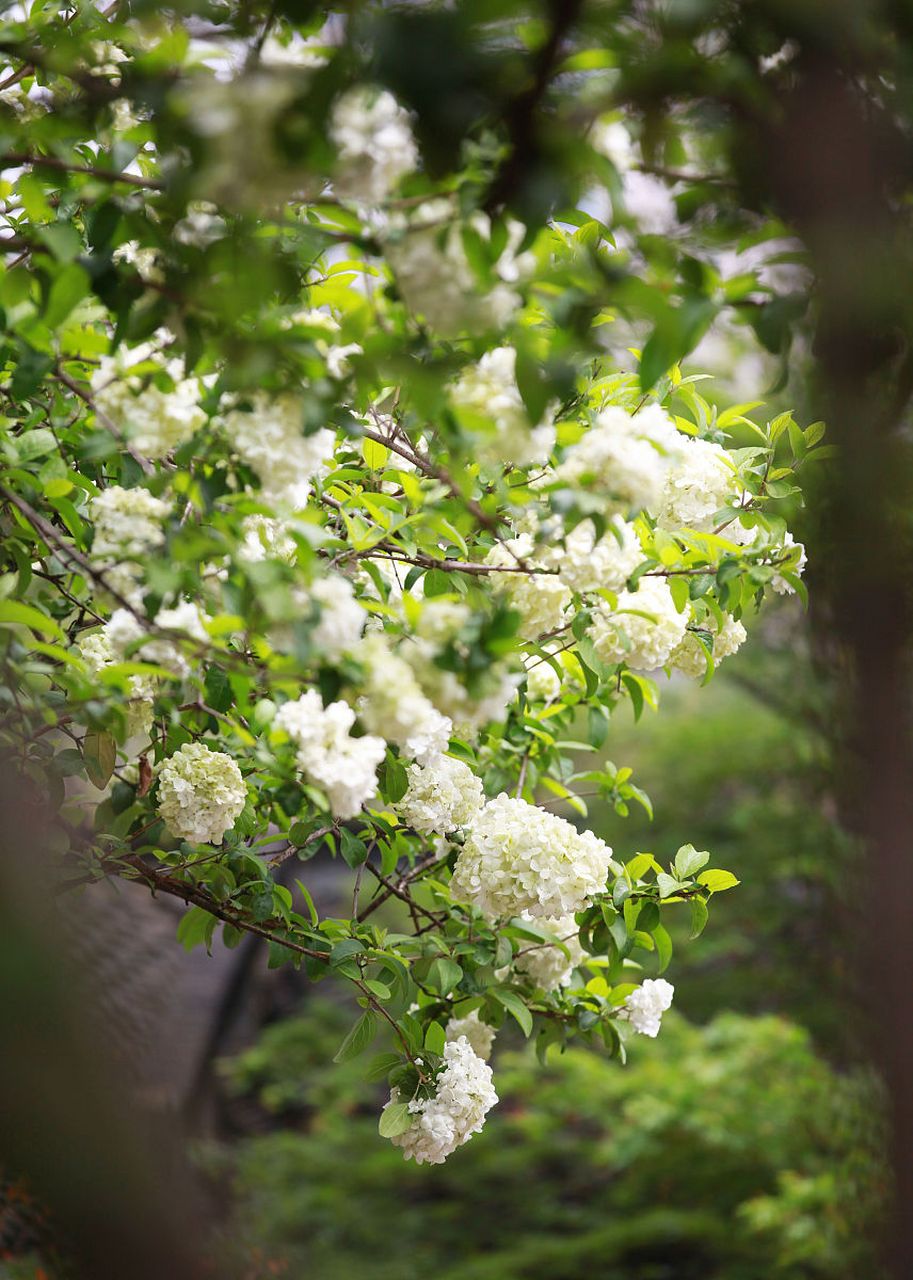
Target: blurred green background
x: 743, y: 1144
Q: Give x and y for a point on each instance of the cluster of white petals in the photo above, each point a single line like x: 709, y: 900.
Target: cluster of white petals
x: 342, y: 619
x: 690, y: 657
x: 154, y: 418
x: 441, y: 796
x: 539, y: 597
x: 270, y: 439
x: 200, y: 793
x: 586, y: 563
x: 543, y: 684
x: 778, y: 582
x: 375, y: 147
x: 519, y: 858
x: 343, y: 766
x: 464, y: 1094
x: 488, y: 390
x: 644, y: 1007
x: 479, y: 1034
x: 550, y: 966
x: 265, y: 538
x: 646, y: 638
x: 700, y: 483
x: 393, y: 703
x: 185, y: 617
x: 127, y: 523
x: 468, y: 711
x: 97, y: 652
x: 436, y: 279
x: 623, y: 458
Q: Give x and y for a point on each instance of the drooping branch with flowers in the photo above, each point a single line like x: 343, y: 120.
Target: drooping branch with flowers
x: 336, y: 517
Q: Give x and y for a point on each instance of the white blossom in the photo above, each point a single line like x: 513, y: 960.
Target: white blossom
x: 624, y: 634
x: 270, y: 439
x: 393, y: 703
x: 690, y: 657
x: 539, y: 595
x: 185, y: 617
x: 342, y: 619
x: 480, y: 1035
x: 343, y: 766
x: 436, y: 279
x: 98, y: 652
x: 464, y: 1094
x: 441, y: 796
x: 127, y: 523
x: 200, y: 793
x: 519, y: 858
x: 488, y: 391
x: 623, y: 458
x: 698, y: 484
x: 549, y: 966
x: 645, y: 1006
x: 265, y: 538
x: 778, y: 582
x: 154, y: 418
x: 587, y: 564
x: 543, y: 684
x: 373, y: 137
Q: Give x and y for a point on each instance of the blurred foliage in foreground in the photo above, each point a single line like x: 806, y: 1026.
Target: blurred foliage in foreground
x: 727, y: 1151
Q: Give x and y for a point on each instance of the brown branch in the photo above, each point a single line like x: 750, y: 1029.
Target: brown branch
x: 15, y: 159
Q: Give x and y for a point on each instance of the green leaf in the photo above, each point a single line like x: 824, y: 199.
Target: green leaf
x: 358, y: 1038
x: 68, y: 289
x: 195, y: 926
x: 395, y: 1119
x: 717, y: 881
x: 14, y: 611
x: 435, y: 1038
x: 689, y: 860
x: 667, y: 885
x: 515, y: 1006
x: 100, y: 755
x: 663, y: 946
x: 699, y: 917
x: 394, y: 781
x: 444, y: 974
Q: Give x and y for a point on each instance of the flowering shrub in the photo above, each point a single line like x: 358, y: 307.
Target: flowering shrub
x: 333, y: 520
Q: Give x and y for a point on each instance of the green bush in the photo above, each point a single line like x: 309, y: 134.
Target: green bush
x: 727, y: 1151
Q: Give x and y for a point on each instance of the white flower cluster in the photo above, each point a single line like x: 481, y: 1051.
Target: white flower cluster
x: 155, y: 419
x: 586, y: 563
x: 441, y: 796
x: 127, y: 525
x: 702, y: 481
x: 543, y: 684
x: 690, y: 657
x: 778, y: 582
x: 519, y: 858
x: 488, y: 391
x: 539, y: 597
x: 200, y: 793
x: 393, y: 703
x: 464, y: 1094
x: 124, y: 629
x: 373, y: 136
x: 550, y: 966
x: 436, y: 279
x: 270, y: 440
x: 97, y: 652
x: 624, y: 457
x: 644, y: 1007
x: 468, y: 712
x: 479, y: 1034
x: 265, y: 538
x: 644, y: 629
x: 343, y: 766
x: 342, y: 619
